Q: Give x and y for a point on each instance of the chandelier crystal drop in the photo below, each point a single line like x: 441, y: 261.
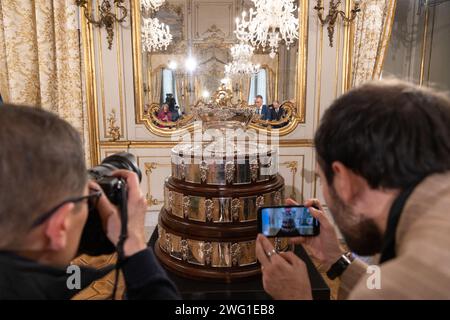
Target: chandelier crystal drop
x: 236, y: 69
x: 242, y: 52
x: 152, y: 5
x: 241, y: 63
x: 155, y: 35
x: 270, y: 23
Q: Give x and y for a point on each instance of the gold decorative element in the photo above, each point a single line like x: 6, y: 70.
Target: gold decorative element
x: 186, y: 205
x: 168, y: 242
x: 171, y: 200
x: 90, y: 87
x: 223, y: 96
x: 385, y: 38
x: 277, y: 198
x: 347, y: 50
x: 293, y: 166
x: 215, y: 254
x: 207, y: 253
x: 218, y: 210
x: 424, y: 46
x: 229, y: 171
x: 235, y: 254
x: 209, y: 207
x: 259, y: 202
x: 152, y: 201
x: 149, y: 167
x: 333, y: 15
x: 235, y: 206
x: 289, y: 114
x: 203, y: 171
x: 152, y: 114
x: 184, y: 249
x: 107, y: 17
x: 254, y: 166
x: 167, y: 144
x: 113, y: 129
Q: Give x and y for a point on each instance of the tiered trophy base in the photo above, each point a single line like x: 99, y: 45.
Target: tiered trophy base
x: 220, y: 244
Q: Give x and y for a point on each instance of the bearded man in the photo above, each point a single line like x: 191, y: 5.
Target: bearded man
x: 383, y: 158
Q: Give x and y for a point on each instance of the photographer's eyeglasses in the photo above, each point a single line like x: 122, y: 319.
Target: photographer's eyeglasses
x: 93, y: 196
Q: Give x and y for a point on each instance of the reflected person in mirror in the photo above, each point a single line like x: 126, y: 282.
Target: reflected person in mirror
x: 173, y: 108
x: 261, y: 109
x: 276, y: 111
x: 164, y: 114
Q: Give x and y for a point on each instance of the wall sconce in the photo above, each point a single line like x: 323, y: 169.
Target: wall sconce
x: 333, y: 14
x: 107, y: 16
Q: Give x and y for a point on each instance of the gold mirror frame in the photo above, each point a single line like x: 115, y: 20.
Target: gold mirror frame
x: 299, y: 110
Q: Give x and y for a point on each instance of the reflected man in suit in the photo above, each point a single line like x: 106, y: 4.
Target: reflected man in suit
x: 261, y: 109
x: 276, y: 111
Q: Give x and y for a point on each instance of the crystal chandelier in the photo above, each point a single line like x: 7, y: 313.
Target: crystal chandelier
x: 152, y: 5
x: 241, y: 63
x: 155, y: 35
x: 241, y: 54
x: 271, y: 22
x: 237, y: 69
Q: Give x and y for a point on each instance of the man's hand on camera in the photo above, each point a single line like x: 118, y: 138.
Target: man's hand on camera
x: 137, y: 206
x: 324, y: 248
x: 285, y: 276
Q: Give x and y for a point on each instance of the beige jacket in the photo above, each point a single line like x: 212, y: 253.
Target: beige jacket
x: 421, y: 269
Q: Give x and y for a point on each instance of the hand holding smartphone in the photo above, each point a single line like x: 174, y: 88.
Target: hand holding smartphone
x: 287, y: 221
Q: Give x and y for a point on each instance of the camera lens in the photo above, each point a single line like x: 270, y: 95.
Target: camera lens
x: 94, y: 240
x: 122, y: 160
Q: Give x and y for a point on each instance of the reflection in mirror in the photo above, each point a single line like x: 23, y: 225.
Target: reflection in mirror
x: 419, y: 46
x: 192, y: 66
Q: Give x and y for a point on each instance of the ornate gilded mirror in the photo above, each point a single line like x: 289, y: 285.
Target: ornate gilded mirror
x: 181, y: 51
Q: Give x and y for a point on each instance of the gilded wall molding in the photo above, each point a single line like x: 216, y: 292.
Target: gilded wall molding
x: 387, y: 31
x: 90, y: 86
x: 297, y: 170
x: 169, y: 144
x: 151, y: 200
x: 113, y: 128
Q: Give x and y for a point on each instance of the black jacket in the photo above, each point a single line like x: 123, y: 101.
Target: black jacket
x: 276, y: 116
x: 22, y: 278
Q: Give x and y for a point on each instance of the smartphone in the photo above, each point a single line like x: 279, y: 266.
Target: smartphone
x: 287, y: 221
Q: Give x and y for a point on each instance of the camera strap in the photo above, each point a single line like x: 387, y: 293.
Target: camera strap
x: 123, y: 208
x: 388, y: 247
x: 124, y: 223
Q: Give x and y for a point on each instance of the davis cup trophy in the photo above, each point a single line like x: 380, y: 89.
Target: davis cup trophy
x: 208, y: 224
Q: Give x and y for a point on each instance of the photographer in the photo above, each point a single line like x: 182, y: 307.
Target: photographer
x: 383, y: 153
x: 44, y: 195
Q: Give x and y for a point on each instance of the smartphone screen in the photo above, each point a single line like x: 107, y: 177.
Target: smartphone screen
x: 287, y: 221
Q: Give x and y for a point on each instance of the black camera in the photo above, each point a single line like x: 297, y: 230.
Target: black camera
x: 94, y: 241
